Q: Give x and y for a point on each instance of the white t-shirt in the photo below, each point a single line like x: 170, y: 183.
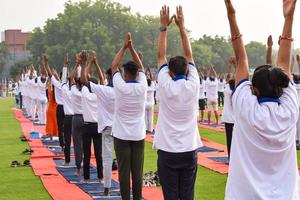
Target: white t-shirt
x: 150, y: 94
x: 106, y: 103
x: 177, y: 126
x: 76, y: 100
x: 67, y: 99
x: 201, y: 90
x: 227, y: 115
x: 221, y: 85
x: 57, y: 90
x: 263, y: 161
x: 89, y: 105
x: 42, y: 90
x: 211, y: 89
x: 129, y: 117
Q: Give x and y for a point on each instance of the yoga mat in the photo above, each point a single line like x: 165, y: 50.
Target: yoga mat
x: 219, y: 159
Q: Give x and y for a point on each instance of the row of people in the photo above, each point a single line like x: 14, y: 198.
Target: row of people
x: 263, y: 163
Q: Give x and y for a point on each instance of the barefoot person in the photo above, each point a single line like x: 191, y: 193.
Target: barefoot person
x: 106, y: 103
x: 212, y: 94
x: 89, y: 105
x: 263, y: 163
x: 59, y: 100
x: 202, y: 102
x: 129, y: 120
x: 77, y: 121
x: 177, y: 135
x: 296, y: 78
x: 149, y: 102
x: 227, y: 115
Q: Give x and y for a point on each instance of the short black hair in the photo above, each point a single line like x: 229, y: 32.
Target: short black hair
x: 178, y: 65
x: 131, y: 68
x: 270, y: 81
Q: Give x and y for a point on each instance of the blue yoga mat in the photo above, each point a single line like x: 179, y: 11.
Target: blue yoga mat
x: 93, y: 188
x: 206, y: 149
x: 223, y: 159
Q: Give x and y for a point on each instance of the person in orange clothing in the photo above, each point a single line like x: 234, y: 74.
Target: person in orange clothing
x: 51, y: 124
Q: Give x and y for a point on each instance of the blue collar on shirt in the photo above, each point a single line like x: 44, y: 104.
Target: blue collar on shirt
x: 132, y: 81
x: 297, y: 82
x: 268, y: 99
x: 178, y: 77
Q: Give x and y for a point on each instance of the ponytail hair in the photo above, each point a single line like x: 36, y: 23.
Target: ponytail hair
x: 270, y: 81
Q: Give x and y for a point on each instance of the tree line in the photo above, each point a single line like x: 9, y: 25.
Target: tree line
x: 100, y: 26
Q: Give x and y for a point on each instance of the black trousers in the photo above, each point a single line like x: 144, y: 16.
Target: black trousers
x: 177, y: 173
x: 90, y: 133
x: 221, y: 98
x: 60, y: 115
x: 77, y: 131
x: 130, y: 158
x: 20, y: 100
x: 228, y: 130
x: 67, y: 136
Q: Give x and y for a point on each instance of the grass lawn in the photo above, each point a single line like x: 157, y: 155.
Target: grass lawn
x: 15, y: 183
x: 20, y: 183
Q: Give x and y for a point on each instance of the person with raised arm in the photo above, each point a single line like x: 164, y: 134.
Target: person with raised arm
x: 296, y: 81
x: 221, y: 87
x: 212, y: 94
x: 227, y: 115
x: 42, y: 97
x: 60, y: 115
x: 129, y: 120
x: 77, y: 121
x: 149, y: 102
x: 89, y: 103
x: 202, y: 102
x: 68, y: 110
x: 263, y: 161
x: 177, y: 136
x: 106, y: 103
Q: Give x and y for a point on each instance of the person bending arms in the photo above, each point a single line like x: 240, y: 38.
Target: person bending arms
x: 90, y: 128
x: 263, y: 162
x: 129, y: 120
x: 106, y: 101
x: 177, y: 135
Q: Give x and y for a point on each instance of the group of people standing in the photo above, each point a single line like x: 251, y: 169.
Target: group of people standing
x: 110, y: 111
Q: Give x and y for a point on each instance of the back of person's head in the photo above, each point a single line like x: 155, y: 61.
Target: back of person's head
x: 149, y: 82
x: 296, y: 78
x: 269, y: 81
x: 211, y: 78
x: 131, y: 70
x: 231, y: 84
x: 109, y: 76
x: 178, y: 65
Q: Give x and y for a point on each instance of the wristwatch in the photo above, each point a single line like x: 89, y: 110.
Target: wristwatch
x: 162, y: 29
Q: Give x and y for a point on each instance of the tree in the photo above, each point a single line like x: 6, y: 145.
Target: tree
x: 15, y: 70
x: 4, y: 55
x: 256, y: 52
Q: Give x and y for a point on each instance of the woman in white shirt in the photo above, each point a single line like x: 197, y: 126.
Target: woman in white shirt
x: 263, y: 163
x: 149, y: 102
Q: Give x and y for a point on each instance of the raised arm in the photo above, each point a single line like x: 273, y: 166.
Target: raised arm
x: 65, y: 69
x: 269, y: 50
x: 98, y: 69
x: 242, y: 71
x: 83, y: 76
x: 46, y: 65
x: 179, y: 19
x: 118, y: 57
x: 213, y: 71
x: 74, y: 71
x: 134, y: 54
x: 285, y: 41
x: 149, y: 74
x: 165, y: 21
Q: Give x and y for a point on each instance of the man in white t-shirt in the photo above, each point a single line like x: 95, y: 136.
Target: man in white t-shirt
x: 128, y: 124
x: 177, y: 136
x: 212, y: 94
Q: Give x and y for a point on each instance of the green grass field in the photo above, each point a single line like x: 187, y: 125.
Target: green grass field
x: 21, y: 183
x: 15, y: 183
